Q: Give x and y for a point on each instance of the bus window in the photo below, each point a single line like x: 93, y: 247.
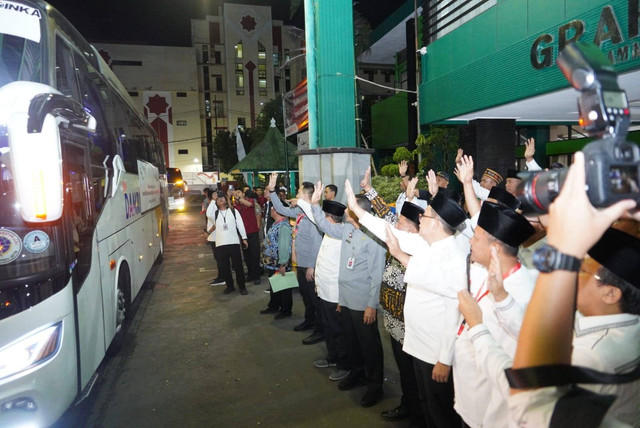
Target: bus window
x: 65, y: 77
x: 90, y: 87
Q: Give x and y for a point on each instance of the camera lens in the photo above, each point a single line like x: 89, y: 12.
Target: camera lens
x: 536, y: 192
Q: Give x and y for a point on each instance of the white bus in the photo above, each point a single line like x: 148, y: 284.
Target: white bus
x: 83, y: 212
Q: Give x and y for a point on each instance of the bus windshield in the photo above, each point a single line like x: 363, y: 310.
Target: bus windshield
x: 20, y: 59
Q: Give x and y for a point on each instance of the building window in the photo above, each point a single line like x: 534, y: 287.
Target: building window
x: 133, y: 94
x: 239, y: 68
x: 239, y: 50
x: 217, y: 57
x: 262, y: 52
x: 370, y: 73
x: 262, y: 83
x: 239, y: 80
x: 262, y: 71
x: 183, y: 151
x: 275, y: 57
x: 286, y: 55
x: 207, y: 107
x: 239, y: 91
x: 205, y: 54
x: 218, y: 109
x: 263, y: 93
x: 181, y: 94
x: 242, y: 121
x: 217, y: 79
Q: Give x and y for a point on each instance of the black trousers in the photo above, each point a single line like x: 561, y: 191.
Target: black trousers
x: 436, y: 399
x: 310, y: 299
x: 213, y: 248
x: 408, y: 383
x: 364, y: 347
x: 229, y: 255
x: 282, y: 300
x: 334, y: 335
x: 252, y: 255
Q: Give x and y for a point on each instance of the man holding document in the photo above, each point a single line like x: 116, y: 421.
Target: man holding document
x: 277, y: 260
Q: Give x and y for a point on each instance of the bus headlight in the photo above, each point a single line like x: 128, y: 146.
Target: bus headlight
x: 30, y: 351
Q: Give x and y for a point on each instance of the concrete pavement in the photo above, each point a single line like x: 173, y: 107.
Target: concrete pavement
x: 194, y: 357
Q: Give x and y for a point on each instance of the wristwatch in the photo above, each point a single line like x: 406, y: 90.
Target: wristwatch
x: 548, y: 259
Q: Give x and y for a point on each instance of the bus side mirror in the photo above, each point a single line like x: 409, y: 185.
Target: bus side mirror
x: 63, y: 108
x: 37, y: 168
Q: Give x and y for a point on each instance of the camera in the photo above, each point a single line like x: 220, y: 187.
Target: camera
x: 220, y: 193
x: 612, y: 163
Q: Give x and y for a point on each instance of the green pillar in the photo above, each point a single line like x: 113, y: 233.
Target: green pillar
x: 333, y: 155
x: 332, y: 58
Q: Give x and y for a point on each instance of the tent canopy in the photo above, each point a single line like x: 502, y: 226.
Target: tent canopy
x: 268, y: 155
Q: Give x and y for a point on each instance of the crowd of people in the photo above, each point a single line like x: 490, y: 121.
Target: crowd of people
x: 488, y: 309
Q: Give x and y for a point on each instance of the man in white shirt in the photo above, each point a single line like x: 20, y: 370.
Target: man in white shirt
x: 434, y: 275
x: 500, y: 230
x: 327, y: 287
x: 229, y: 229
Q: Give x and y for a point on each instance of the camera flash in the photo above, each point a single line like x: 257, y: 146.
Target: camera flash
x: 593, y: 115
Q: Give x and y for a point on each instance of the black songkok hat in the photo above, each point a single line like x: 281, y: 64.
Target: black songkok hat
x: 504, y: 224
x: 412, y: 212
x: 513, y: 173
x: 333, y: 207
x: 449, y: 193
x: 448, y: 210
x: 504, y: 197
x: 620, y: 253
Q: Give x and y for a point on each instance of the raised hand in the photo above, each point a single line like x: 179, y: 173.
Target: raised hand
x: 411, y: 188
x: 464, y: 169
x: 351, y: 197
x: 459, y: 155
x: 530, y: 149
x: 365, y: 183
x: 402, y: 167
x: 433, y: 184
x: 317, y: 193
x: 273, y: 180
x: 495, y: 281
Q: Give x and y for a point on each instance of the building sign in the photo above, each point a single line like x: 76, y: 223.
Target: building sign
x: 608, y: 29
x: 181, y: 123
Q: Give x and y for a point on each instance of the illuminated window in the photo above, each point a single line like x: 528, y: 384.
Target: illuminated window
x: 262, y: 71
x: 262, y: 83
x: 239, y: 80
x: 262, y: 52
x: 239, y: 50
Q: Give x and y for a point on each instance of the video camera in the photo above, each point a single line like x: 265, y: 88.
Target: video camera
x: 612, y: 163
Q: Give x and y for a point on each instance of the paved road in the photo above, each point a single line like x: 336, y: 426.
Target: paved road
x: 194, y: 357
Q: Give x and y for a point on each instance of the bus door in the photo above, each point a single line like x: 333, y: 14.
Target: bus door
x: 83, y: 201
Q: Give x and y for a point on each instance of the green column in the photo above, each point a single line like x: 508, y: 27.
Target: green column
x: 331, y: 45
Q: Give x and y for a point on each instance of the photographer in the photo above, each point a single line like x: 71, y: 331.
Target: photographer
x: 546, y: 334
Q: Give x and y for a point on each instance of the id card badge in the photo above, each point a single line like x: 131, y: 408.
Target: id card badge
x: 225, y: 226
x: 350, y: 263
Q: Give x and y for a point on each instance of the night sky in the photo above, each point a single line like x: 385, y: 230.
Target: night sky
x: 167, y: 22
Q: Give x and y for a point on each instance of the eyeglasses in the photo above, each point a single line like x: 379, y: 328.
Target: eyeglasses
x: 427, y: 216
x: 595, y: 275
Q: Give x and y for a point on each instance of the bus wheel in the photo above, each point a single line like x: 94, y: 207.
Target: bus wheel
x: 161, y: 252
x: 123, y: 302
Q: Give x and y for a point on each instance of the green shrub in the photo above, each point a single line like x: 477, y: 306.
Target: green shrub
x: 402, y: 154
